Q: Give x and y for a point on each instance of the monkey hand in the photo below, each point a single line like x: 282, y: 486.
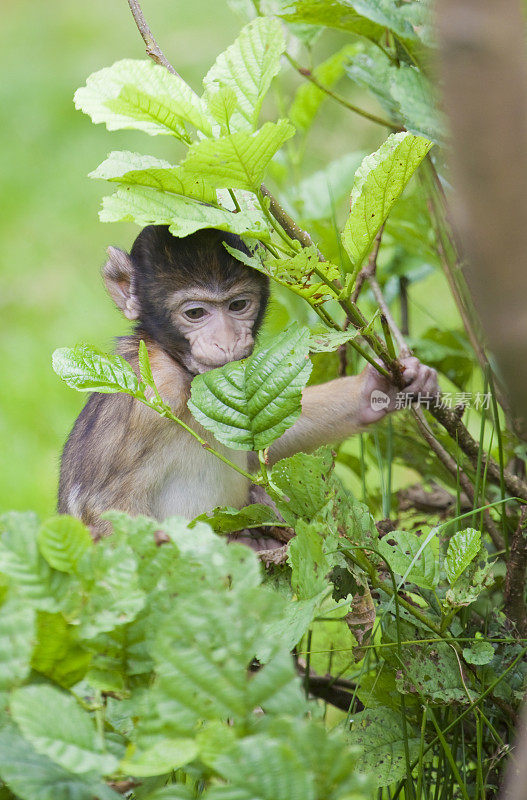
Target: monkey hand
x: 379, y: 396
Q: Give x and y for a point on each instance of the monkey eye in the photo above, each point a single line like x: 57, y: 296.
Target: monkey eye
x: 238, y: 305
x: 195, y: 313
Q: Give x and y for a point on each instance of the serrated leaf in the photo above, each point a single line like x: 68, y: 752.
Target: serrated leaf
x: 238, y: 160
x: 463, y: 548
x: 248, y: 404
x: 478, y: 652
x: 326, y: 340
x: 142, y: 95
x: 87, y: 369
x: 160, y: 758
x: 303, y: 480
x: 417, y: 110
x: 368, y: 18
x: 133, y: 169
x: 228, y: 520
x: 146, y: 206
x: 222, y: 104
x: 379, y: 181
x: 22, y: 562
x: 379, y: 732
x: 67, y: 735
x: 63, y: 541
x: 403, y: 552
x: 17, y: 632
x: 33, y: 776
x: 432, y: 672
x: 247, y: 67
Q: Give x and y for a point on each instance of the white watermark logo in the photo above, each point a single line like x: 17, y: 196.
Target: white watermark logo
x: 379, y: 400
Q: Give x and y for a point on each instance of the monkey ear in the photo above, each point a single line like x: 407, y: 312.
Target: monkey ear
x: 118, y: 274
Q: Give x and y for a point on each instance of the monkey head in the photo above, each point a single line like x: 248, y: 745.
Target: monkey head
x: 201, y: 305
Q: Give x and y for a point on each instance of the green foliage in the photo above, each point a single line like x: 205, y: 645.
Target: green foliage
x: 379, y: 181
x: 248, y: 404
x: 409, y: 556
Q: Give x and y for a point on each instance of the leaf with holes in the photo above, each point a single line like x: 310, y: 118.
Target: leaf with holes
x: 248, y: 404
x: 405, y: 554
x: 379, y: 181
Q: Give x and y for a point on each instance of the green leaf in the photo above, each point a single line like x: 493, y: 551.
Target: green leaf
x: 379, y: 181
x: 222, y: 104
x: 309, y: 97
x: 87, y: 369
x: 407, y: 558
x: 319, y: 194
x: 417, y: 108
x: 228, y: 520
x: 162, y: 757
x: 463, y: 548
x: 303, y: 480
x: 478, y: 652
x: 325, y: 340
x: 57, y: 653
x: 67, y: 735
x: 142, y: 95
x: 238, y: 160
x: 296, y: 273
x: 133, y: 169
x: 368, y: 18
x: 33, y: 776
x: 248, y: 404
x: 63, y: 541
x: 432, y: 672
x: 380, y: 734
x: 247, y: 67
x: 147, y: 206
x: 22, y: 562
x: 309, y: 565
x: 17, y: 631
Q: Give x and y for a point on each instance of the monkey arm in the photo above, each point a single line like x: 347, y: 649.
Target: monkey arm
x: 333, y: 411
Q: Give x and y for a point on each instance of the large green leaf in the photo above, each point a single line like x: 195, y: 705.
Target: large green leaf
x: 89, y: 370
x: 405, y: 554
x: 134, y: 169
x: 463, y: 548
x: 368, y: 18
x: 309, y: 564
x: 17, y: 629
x: 379, y: 181
x: 33, y: 776
x: 379, y: 731
x: 238, y: 160
x: 57, y: 653
x: 247, y: 67
x: 63, y: 541
x: 248, y: 404
x: 302, y: 479
x: 147, y: 206
x: 59, y: 728
x: 142, y: 95
x: 417, y: 107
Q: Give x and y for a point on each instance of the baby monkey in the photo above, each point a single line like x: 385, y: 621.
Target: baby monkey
x: 196, y: 308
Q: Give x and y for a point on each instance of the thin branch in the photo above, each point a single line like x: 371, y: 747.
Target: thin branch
x: 307, y: 73
x: 369, y: 269
x: 152, y: 48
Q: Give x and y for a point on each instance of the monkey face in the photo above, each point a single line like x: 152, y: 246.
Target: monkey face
x: 218, y: 326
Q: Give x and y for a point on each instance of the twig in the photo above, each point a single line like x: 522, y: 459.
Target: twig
x: 514, y: 590
x: 369, y: 269
x: 450, y: 464
x: 152, y: 48
x: 307, y: 73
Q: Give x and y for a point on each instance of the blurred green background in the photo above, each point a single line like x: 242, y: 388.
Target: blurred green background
x: 53, y: 245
